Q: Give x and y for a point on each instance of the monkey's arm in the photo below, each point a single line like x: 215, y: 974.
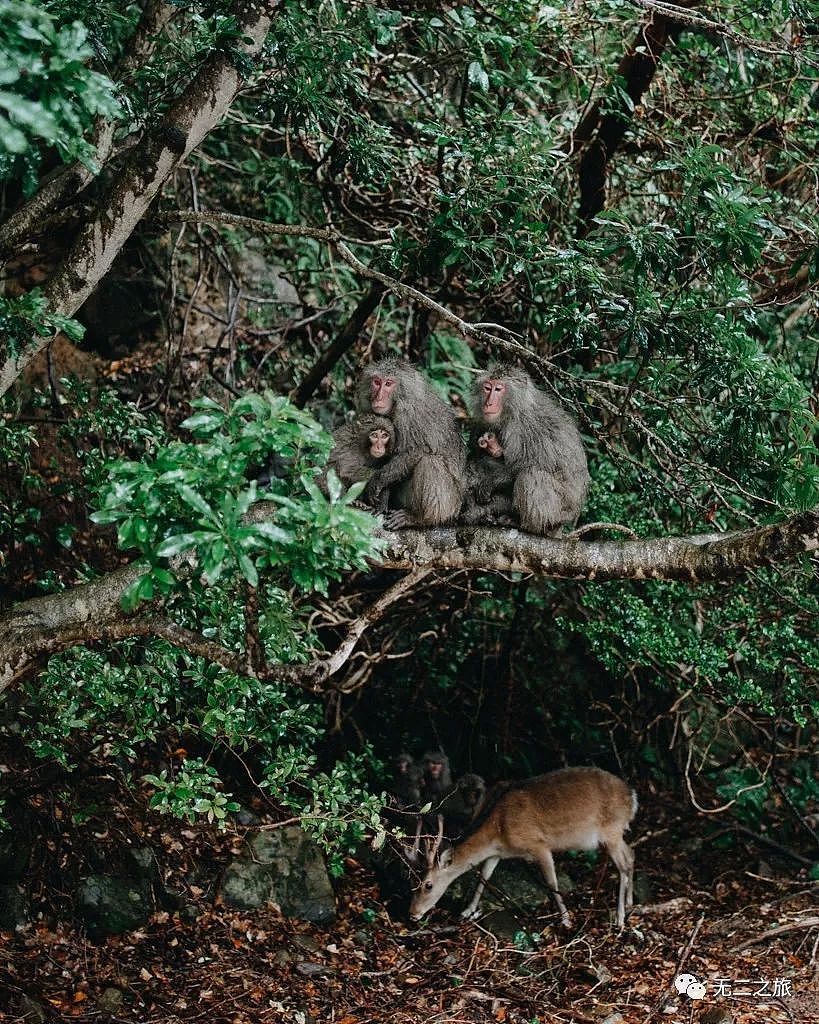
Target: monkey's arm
x: 398, y: 468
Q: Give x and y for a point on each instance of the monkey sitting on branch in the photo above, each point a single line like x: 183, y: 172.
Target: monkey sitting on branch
x: 360, y: 447
x: 426, y: 473
x: 543, y: 464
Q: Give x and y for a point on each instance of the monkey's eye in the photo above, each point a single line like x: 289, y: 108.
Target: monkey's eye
x: 428, y: 886
x: 389, y: 382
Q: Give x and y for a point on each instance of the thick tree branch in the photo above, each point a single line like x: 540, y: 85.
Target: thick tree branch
x: 198, y: 110
x: 692, y: 559
x: 604, y: 134
x: 680, y: 14
x: 92, y: 611
x: 69, y: 181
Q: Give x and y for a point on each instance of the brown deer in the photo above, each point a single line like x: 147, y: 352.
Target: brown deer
x: 570, y: 809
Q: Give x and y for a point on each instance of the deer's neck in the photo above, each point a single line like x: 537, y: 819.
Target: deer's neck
x: 471, y: 851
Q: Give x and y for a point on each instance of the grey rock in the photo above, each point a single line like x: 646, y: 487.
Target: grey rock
x: 283, y: 867
x: 514, y: 884
x: 246, y: 885
x: 110, y: 906
x: 643, y: 889
x: 246, y: 817
x: 143, y: 860
x: 110, y: 1001
x: 614, y: 1018
x: 502, y: 924
x: 263, y: 277
x: 311, y: 970
x: 13, y: 908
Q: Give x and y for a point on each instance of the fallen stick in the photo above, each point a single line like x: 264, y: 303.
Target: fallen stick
x: 782, y: 929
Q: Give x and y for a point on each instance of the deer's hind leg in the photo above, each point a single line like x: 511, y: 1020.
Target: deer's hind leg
x: 623, y: 857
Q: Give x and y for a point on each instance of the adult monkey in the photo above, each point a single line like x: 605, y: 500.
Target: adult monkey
x: 427, y: 467
x: 540, y: 453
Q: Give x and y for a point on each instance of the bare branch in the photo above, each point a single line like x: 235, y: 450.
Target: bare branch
x: 371, y: 616
x: 92, y: 611
x: 679, y: 14
x: 198, y: 110
x: 334, y: 238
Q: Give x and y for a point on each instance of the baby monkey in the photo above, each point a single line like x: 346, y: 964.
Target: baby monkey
x: 360, y: 447
x: 487, y: 481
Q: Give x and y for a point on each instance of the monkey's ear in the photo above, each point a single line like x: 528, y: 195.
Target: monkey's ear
x: 445, y: 859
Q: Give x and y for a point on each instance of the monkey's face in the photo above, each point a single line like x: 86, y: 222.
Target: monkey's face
x: 435, y: 769
x: 493, y: 390
x: 402, y: 765
x: 382, y: 394
x: 379, y: 441
x: 472, y: 796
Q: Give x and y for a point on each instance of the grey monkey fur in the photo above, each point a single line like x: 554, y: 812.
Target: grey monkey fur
x: 426, y: 472
x: 350, y: 455
x: 543, y: 457
x: 487, y: 482
x: 406, y: 784
x: 464, y: 804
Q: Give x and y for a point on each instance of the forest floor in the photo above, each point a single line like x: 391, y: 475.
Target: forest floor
x: 753, y: 940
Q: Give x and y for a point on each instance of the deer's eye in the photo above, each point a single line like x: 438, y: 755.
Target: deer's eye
x: 428, y: 886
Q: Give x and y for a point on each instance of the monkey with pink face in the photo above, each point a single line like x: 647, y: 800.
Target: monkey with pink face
x: 425, y: 473
x: 532, y: 464
x: 360, y: 447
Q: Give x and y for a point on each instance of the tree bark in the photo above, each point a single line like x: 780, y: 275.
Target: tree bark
x: 604, y: 135
x: 198, y: 110
x: 92, y: 611
x: 344, y: 340
x: 693, y: 559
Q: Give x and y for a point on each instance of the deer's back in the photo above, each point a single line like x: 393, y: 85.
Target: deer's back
x: 569, y: 809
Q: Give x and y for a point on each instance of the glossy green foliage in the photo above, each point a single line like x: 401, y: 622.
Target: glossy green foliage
x: 48, y: 91
x: 193, y: 500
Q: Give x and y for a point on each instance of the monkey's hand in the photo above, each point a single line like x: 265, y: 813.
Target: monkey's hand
x: 491, y: 445
x: 398, y: 519
x: 377, y: 493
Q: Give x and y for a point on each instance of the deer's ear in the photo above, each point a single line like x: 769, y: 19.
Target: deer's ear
x: 446, y: 857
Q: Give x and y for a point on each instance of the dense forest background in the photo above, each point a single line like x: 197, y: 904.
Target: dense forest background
x: 212, y: 215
